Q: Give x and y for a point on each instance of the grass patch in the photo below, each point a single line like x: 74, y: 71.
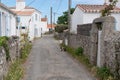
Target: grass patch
x: 78, y: 54
x: 15, y: 71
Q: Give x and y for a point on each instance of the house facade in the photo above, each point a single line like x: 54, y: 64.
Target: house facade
x: 29, y: 20
x: 7, y: 21
x: 85, y: 14
x: 44, y: 24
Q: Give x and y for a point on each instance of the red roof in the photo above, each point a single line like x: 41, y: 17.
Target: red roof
x: 95, y: 8
x: 51, y: 26
x: 44, y: 19
x: 24, y: 13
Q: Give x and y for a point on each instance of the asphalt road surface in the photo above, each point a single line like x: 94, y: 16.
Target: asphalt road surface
x: 48, y: 62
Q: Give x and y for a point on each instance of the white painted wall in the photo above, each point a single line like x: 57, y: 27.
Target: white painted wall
x: 13, y: 30
x: 80, y: 17
x: 8, y: 23
x: 44, y: 27
x: 89, y: 17
x: 117, y: 17
x: 76, y: 18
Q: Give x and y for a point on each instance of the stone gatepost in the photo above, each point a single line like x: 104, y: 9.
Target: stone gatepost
x: 101, y: 31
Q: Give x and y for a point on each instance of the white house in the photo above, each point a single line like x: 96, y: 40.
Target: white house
x: 44, y: 24
x: 7, y: 21
x: 29, y: 19
x: 85, y: 13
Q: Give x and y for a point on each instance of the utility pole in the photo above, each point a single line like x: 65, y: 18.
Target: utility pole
x: 54, y: 17
x: 67, y: 41
x: 51, y: 17
x: 69, y: 15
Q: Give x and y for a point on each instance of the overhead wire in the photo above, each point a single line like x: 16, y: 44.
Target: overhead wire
x: 59, y: 5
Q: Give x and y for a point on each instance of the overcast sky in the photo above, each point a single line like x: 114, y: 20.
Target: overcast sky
x: 59, y: 6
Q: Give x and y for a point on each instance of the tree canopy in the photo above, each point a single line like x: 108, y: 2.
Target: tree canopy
x: 64, y: 18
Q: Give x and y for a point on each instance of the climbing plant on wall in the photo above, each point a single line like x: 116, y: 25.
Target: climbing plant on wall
x: 107, y: 10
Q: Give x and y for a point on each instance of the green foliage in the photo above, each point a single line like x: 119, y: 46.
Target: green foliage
x: 64, y: 18
x: 15, y: 71
x: 103, y: 73
x: 78, y: 54
x: 3, y: 43
x: 79, y: 51
x: 25, y: 51
x: 61, y: 28
x: 108, y: 8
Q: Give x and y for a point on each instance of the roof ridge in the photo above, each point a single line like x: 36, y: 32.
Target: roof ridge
x: 95, y: 8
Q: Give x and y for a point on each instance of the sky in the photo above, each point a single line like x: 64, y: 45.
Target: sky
x: 59, y: 6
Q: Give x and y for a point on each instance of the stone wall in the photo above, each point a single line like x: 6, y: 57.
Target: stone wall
x: 82, y: 38
x: 14, y: 52
x: 80, y: 41
x: 101, y: 43
x: 84, y: 29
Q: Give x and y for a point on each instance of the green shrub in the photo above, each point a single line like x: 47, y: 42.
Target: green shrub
x: 103, y: 73
x: 61, y: 28
x: 25, y: 51
x: 79, y: 51
x: 3, y: 43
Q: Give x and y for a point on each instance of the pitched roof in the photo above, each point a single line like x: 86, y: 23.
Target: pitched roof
x: 95, y: 8
x: 49, y: 26
x: 44, y: 19
x: 24, y: 13
x: 26, y: 7
x: 5, y: 7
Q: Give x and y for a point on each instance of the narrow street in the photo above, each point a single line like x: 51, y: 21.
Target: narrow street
x: 47, y: 62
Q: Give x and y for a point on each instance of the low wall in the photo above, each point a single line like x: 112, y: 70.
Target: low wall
x: 13, y: 51
x: 103, y: 50
x: 80, y: 41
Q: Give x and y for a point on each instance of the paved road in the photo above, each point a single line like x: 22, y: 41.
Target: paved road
x: 47, y: 62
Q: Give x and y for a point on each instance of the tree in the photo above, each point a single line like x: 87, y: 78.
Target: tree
x: 64, y: 18
x: 107, y: 10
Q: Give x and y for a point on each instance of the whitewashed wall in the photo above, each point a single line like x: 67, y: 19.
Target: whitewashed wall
x: 13, y: 30
x: 117, y: 17
x: 8, y: 23
x: 44, y: 27
x: 89, y: 17
x: 80, y: 17
x: 76, y: 18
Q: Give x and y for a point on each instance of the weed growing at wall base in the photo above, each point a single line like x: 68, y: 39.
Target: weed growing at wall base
x: 16, y: 70
x: 102, y: 73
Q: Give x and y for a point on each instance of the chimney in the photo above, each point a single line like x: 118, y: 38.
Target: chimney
x: 20, y: 4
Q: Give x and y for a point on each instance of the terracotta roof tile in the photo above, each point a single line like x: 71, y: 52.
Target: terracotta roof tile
x: 24, y: 13
x: 44, y: 19
x: 49, y: 26
x: 95, y: 8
